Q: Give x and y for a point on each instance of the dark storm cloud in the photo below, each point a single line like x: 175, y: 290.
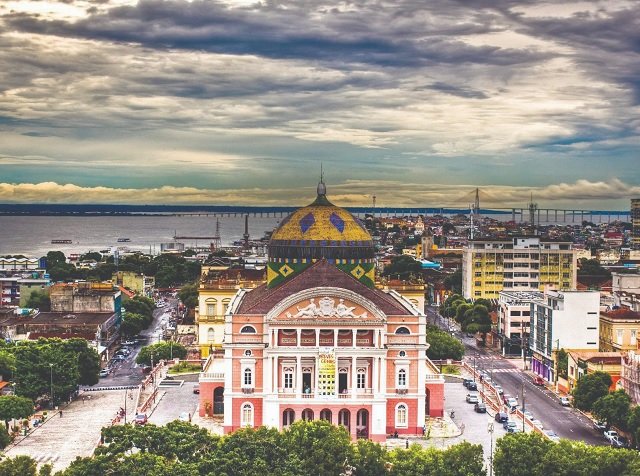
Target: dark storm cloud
x: 368, y: 36
x: 463, y: 92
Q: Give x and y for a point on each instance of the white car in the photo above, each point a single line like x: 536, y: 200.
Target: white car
x: 512, y: 402
x: 565, y: 402
x: 184, y: 416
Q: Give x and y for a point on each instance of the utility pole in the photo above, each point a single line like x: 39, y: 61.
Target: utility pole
x: 523, y: 404
x: 51, y: 383
x: 490, y: 430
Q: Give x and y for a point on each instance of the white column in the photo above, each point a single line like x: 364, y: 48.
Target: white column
x: 354, y: 332
x: 335, y: 338
x: 336, y: 388
x: 383, y: 375
x: 354, y: 372
x: 315, y: 376
x: 299, y: 335
x: 298, y: 376
x: 267, y: 373
x: 374, y: 376
x: 275, y: 338
x: 317, y: 338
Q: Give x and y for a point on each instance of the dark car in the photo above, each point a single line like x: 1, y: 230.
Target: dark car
x: 480, y: 407
x: 509, y: 424
x: 600, y: 425
x: 472, y: 386
x: 501, y: 417
x: 466, y: 381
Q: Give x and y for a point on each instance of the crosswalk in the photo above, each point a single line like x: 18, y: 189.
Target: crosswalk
x: 511, y: 370
x: 46, y: 458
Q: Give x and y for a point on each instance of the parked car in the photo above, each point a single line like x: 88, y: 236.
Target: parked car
x: 472, y: 398
x: 472, y: 386
x: 480, y: 407
x: 537, y: 423
x: 466, y: 381
x: 509, y: 424
x: 141, y: 419
x: 611, y: 436
x: 130, y: 342
x: 498, y: 389
x: 552, y: 435
x: 104, y: 372
x: 621, y: 442
x: 600, y: 425
x: 512, y: 402
x: 501, y: 417
x: 537, y: 380
x: 514, y: 429
x: 196, y: 388
x: 528, y: 415
x: 565, y: 402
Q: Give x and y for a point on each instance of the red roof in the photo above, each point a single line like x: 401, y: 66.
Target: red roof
x: 320, y: 274
x: 622, y: 313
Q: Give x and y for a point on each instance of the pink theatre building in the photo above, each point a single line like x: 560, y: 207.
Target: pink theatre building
x: 320, y: 341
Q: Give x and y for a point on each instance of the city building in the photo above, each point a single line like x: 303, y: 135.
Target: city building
x: 522, y: 263
x: 635, y: 222
x: 319, y: 340
x: 514, y: 317
x: 630, y: 375
x: 136, y: 282
x: 85, y: 297
x: 562, y: 320
x: 580, y: 364
x: 619, y: 330
x: 15, y: 290
x: 625, y: 288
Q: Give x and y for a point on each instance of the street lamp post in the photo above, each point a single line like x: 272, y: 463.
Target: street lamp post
x: 51, y: 383
x: 523, y: 404
x: 474, y: 366
x: 490, y: 430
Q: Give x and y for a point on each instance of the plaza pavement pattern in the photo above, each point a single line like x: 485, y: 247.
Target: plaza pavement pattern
x: 61, y: 439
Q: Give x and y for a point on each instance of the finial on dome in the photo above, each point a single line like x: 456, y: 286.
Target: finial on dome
x: 322, y: 188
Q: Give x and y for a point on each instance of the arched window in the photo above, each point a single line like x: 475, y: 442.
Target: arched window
x: 247, y: 353
x: 361, y: 379
x: 211, y: 306
x: 246, y: 416
x: 402, y: 378
x: 326, y: 415
x: 225, y: 304
x: 401, y: 416
x: 288, y: 416
x: 402, y: 353
x: 211, y: 334
x: 248, y: 378
x: 402, y: 330
x: 307, y: 414
x: 248, y: 330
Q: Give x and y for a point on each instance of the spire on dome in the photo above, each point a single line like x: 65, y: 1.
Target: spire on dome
x: 322, y: 188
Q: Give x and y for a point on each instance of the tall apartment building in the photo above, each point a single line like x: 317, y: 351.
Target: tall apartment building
x: 566, y: 320
x: 522, y: 263
x: 635, y: 221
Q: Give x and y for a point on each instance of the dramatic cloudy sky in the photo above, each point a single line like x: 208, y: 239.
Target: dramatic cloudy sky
x: 416, y: 101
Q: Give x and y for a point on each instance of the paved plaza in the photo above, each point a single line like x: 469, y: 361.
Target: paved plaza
x: 61, y: 439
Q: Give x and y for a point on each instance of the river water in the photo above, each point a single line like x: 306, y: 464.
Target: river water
x: 32, y: 235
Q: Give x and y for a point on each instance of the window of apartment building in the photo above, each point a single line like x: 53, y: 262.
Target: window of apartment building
x: 288, y: 377
x: 520, y: 255
x: 247, y: 414
x: 401, y: 416
x: 565, y: 284
x: 508, y: 256
x: 477, y: 293
x: 478, y: 264
x: 361, y: 379
x: 211, y: 309
x: 402, y: 378
x: 508, y: 285
x: 619, y: 336
x: 248, y: 378
x: 515, y: 324
x: 477, y: 283
x: 633, y: 337
x: 478, y: 274
x: 516, y: 313
x: 565, y: 275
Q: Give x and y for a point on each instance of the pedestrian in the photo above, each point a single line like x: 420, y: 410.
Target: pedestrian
x: 60, y: 413
x: 406, y: 443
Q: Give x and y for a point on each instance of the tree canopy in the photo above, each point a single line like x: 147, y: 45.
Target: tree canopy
x: 590, y: 388
x: 613, y: 409
x: 188, y: 294
x: 39, y: 300
x: 402, y: 266
x: 159, y: 351
x: 442, y: 345
x: 13, y: 407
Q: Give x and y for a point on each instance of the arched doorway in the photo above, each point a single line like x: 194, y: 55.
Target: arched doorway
x: 344, y: 419
x: 362, y: 423
x: 218, y: 401
x: 307, y: 414
x: 288, y: 417
x: 326, y: 415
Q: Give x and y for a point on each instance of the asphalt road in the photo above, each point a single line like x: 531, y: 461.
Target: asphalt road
x: 566, y: 422
x: 128, y: 372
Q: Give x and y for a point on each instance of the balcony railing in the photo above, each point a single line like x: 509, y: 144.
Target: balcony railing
x: 402, y: 391
x: 218, y: 376
x: 248, y: 390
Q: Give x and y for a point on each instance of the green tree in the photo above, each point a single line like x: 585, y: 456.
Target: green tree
x: 132, y: 324
x: 453, y: 281
x: 5, y: 438
x: 87, y: 358
x: 7, y: 365
x: 463, y: 459
x: 13, y: 407
x: 590, y: 388
x: 402, y: 266
x: 55, y: 258
x: 633, y: 423
x: 18, y: 466
x: 562, y: 359
x: 461, y: 310
x: 161, y: 350
x: 521, y: 454
x: 39, y: 300
x: 369, y: 458
x: 321, y: 446
x: 188, y: 294
x: 442, y: 346
x: 91, y: 256
x: 613, y: 408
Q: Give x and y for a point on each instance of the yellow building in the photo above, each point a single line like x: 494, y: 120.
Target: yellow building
x: 136, y: 282
x: 635, y: 220
x: 585, y: 363
x: 619, y: 330
x: 523, y: 263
